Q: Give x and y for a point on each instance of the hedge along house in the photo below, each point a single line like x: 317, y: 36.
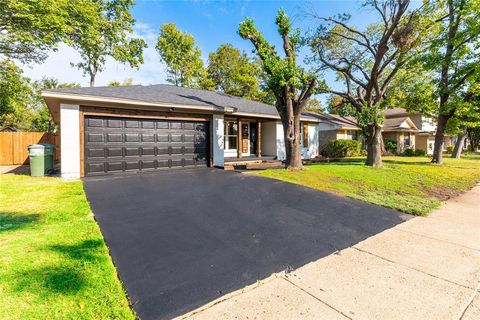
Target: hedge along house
x: 140, y: 128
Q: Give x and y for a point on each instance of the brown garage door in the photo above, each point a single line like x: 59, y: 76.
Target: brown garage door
x: 128, y: 144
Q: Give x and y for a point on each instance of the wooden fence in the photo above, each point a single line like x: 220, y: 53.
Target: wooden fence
x: 14, y: 145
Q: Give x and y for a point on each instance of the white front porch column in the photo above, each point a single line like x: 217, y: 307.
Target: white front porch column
x: 280, y: 140
x: 218, y: 140
x: 70, y: 141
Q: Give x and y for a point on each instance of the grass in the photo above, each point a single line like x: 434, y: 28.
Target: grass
x: 53, y: 261
x: 412, y: 185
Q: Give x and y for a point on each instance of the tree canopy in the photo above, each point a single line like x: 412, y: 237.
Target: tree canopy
x: 104, y: 29
x: 28, y: 29
x: 233, y: 72
x: 366, y: 62
x: 181, y: 55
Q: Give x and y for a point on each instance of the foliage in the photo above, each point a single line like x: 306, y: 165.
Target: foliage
x: 290, y: 84
x: 54, y: 262
x: 15, y: 94
x: 408, y: 152
x: 341, y: 148
x: 314, y: 105
x: 390, y: 145
x: 28, y: 29
x: 182, y: 57
x: 449, y: 52
x: 126, y: 82
x: 449, y: 149
x: 104, y: 29
x: 42, y: 120
x: 420, y: 153
x: 232, y: 72
x: 412, y: 185
x: 366, y: 62
x: 474, y: 138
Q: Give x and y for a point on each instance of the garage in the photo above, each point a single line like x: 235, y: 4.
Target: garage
x: 117, y: 144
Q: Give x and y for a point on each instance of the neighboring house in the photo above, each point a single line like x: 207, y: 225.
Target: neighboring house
x: 425, y: 136
x: 9, y: 129
x: 136, y: 128
x: 335, y: 127
x: 402, y: 130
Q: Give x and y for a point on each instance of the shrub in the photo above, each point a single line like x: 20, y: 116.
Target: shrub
x: 450, y: 149
x: 408, y: 153
x: 341, y: 148
x: 420, y: 153
x: 391, y: 146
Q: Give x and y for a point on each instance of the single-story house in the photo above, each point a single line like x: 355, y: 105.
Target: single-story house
x: 136, y: 128
x: 402, y: 130
x: 335, y: 127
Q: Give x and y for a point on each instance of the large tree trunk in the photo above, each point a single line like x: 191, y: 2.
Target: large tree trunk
x: 291, y: 129
x: 457, y: 151
x: 92, y: 79
x: 439, y: 139
x: 374, y: 147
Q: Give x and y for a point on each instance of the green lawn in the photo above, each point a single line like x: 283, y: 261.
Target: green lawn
x: 53, y: 261
x: 412, y: 185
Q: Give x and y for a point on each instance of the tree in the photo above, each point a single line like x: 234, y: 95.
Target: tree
x: 182, y: 57
x: 367, y: 62
x: 291, y: 85
x: 232, y: 72
x: 473, y: 135
x: 467, y: 116
x: 126, y: 82
x: 451, y: 51
x: 42, y: 120
x: 314, y: 105
x: 28, y: 29
x: 15, y: 94
x: 103, y: 29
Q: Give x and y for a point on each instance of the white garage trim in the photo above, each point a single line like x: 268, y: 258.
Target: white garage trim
x: 70, y: 141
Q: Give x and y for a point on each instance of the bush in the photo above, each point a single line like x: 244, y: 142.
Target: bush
x: 450, y: 149
x: 420, y: 153
x: 391, y: 146
x: 408, y: 153
x: 341, y: 148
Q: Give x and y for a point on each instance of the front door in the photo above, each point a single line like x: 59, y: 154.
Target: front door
x: 246, y: 138
x: 253, y: 139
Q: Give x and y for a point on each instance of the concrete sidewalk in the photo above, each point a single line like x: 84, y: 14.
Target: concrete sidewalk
x: 425, y: 268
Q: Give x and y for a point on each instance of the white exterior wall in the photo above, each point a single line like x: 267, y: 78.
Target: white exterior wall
x: 269, y: 138
x: 280, y: 141
x: 313, y: 142
x: 218, y: 140
x: 70, y: 141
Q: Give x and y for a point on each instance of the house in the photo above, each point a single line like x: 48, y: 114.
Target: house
x: 335, y: 127
x: 402, y: 131
x: 138, y: 128
x: 426, y: 127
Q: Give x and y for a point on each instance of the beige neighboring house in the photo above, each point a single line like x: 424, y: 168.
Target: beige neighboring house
x: 402, y: 130
x: 335, y: 127
x: 424, y: 138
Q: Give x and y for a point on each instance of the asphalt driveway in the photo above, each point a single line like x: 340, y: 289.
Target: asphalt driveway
x: 182, y: 238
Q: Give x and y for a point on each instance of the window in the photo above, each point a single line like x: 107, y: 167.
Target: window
x: 305, y: 135
x: 351, y: 134
x: 406, y: 138
x: 230, y: 131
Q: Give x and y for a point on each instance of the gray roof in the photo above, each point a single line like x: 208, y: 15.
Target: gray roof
x: 395, y: 125
x: 335, y: 119
x: 164, y: 93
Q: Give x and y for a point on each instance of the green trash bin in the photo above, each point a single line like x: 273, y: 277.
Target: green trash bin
x: 41, y: 159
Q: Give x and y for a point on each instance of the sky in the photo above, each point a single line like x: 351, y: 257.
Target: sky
x: 212, y: 23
